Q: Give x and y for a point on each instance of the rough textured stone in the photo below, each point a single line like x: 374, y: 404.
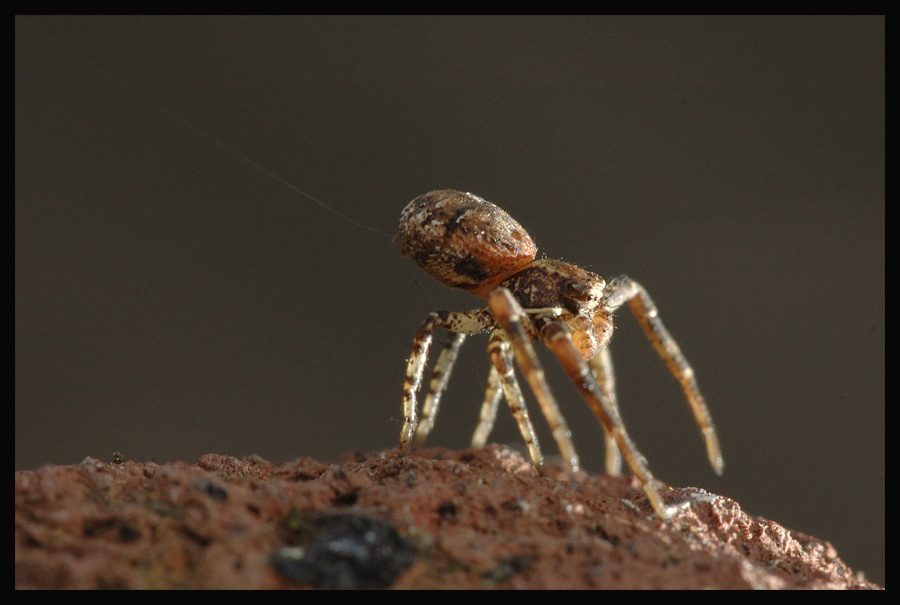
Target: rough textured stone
x: 433, y: 519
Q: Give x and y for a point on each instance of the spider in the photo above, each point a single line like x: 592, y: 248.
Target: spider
x: 466, y: 242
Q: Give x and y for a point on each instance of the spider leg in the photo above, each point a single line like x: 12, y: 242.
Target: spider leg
x: 509, y: 316
x: 453, y: 321
x: 488, y: 410
x: 501, y: 361
x: 603, y: 368
x: 558, y: 339
x: 622, y: 290
x: 440, y: 376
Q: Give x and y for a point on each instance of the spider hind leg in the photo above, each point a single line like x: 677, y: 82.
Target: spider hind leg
x: 558, y: 339
x: 460, y: 324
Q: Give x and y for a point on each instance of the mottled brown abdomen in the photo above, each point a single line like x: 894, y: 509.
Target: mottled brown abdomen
x: 463, y: 241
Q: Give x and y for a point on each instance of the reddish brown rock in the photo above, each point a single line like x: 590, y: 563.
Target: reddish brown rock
x: 434, y: 519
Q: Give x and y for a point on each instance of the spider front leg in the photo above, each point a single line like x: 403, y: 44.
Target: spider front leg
x: 622, y: 290
x: 459, y: 323
x: 556, y: 336
x: 510, y: 317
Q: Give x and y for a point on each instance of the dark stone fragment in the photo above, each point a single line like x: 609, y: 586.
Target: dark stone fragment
x: 345, y: 552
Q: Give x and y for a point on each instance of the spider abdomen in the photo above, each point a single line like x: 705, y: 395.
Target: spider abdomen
x: 463, y: 241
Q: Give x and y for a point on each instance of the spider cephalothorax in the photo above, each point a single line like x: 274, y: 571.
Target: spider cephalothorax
x: 576, y: 293
x: 466, y: 242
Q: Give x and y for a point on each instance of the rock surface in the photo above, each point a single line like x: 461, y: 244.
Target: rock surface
x: 434, y: 519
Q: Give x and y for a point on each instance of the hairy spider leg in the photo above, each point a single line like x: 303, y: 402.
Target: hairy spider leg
x: 461, y: 324
x: 457, y: 322
x: 440, y: 376
x: 558, y: 339
x: 510, y: 316
x: 488, y: 410
x: 502, y: 362
x: 603, y: 369
x: 622, y: 290
x: 602, y: 364
x: 439, y: 379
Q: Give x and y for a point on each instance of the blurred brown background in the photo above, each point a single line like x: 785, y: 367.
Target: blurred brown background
x: 172, y: 300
